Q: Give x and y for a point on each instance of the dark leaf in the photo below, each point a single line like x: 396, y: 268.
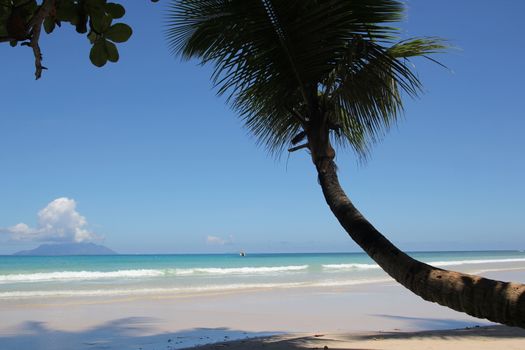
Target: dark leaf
x: 49, y: 25
x: 119, y: 32
x: 92, y: 36
x: 100, y: 21
x: 115, y: 10
x: 98, y: 54
x: 67, y: 12
x: 112, y: 51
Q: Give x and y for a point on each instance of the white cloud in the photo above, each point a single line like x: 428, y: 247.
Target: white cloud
x: 20, y: 229
x: 214, y: 240
x: 59, y: 221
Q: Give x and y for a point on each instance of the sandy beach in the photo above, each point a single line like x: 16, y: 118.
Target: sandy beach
x: 370, y: 316
x: 495, y: 337
x: 227, y: 175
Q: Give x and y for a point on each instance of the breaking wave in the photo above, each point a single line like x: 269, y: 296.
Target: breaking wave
x: 465, y: 262
x: 335, y: 267
x: 176, y: 291
x: 143, y: 273
x: 350, y: 266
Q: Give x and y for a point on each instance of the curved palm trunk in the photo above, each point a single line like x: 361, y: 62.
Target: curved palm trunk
x: 497, y: 301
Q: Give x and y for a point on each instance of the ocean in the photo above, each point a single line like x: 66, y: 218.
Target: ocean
x: 33, y: 277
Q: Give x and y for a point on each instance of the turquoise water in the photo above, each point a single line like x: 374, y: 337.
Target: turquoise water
x: 26, y: 277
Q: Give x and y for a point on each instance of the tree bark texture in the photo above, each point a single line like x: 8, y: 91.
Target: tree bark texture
x: 502, y: 302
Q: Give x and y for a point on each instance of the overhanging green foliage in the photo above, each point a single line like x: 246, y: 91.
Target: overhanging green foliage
x: 21, y: 22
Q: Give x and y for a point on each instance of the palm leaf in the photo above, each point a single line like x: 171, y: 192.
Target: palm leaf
x: 274, y: 56
x: 364, y: 89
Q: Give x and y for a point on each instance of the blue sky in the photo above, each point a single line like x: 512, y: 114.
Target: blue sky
x: 156, y: 163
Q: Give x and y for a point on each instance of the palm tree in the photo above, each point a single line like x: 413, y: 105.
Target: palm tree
x: 317, y: 73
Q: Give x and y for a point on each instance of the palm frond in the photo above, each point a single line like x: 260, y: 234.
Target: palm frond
x: 364, y: 90
x: 273, y: 56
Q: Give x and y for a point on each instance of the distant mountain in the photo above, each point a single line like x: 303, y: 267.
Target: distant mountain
x: 68, y: 249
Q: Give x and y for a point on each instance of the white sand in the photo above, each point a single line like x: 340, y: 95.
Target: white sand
x: 483, y: 338
x: 165, y: 322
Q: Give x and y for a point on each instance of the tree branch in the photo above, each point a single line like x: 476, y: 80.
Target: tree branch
x: 298, y: 138
x: 296, y: 148
x: 35, y: 26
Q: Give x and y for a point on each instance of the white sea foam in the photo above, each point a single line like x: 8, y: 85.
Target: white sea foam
x: 176, y: 291
x: 238, y: 270
x: 350, y: 266
x: 77, y: 275
x: 337, y: 267
x: 344, y: 283
x: 142, y: 273
x: 139, y: 291
x: 465, y: 262
x: 64, y: 276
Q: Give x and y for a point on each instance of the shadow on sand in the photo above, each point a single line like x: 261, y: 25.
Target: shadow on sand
x: 355, y: 341
x: 426, y: 323
x: 135, y: 333
x: 138, y: 333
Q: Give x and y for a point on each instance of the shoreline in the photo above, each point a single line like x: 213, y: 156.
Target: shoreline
x: 148, y: 322
x: 509, y: 271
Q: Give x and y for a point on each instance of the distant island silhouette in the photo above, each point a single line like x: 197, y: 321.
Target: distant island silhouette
x: 68, y: 249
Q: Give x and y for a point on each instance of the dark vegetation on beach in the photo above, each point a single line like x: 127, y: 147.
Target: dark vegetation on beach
x: 304, y: 75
